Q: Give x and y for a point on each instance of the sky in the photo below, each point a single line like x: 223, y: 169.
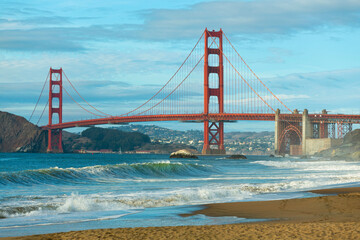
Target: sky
x: 117, y: 53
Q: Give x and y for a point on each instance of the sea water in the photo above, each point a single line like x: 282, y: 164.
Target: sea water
x: 44, y: 193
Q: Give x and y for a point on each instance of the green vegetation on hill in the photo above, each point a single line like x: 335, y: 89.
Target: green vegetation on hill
x: 166, y: 148
x: 104, y: 138
x: 259, y: 143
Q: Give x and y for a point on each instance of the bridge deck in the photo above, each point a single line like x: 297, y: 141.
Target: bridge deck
x: 216, y: 117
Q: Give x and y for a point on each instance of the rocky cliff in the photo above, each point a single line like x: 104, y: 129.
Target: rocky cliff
x: 350, y: 148
x: 19, y: 135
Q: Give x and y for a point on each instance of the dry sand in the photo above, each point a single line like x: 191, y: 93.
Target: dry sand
x: 343, y: 230
x: 325, y: 217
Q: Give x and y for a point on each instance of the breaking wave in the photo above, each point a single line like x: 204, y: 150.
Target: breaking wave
x: 163, y: 198
x: 55, y: 175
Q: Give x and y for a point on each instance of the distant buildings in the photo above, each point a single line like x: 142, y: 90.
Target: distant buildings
x: 236, y: 142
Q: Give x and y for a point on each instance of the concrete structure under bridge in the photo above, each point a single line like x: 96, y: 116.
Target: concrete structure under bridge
x: 306, y: 134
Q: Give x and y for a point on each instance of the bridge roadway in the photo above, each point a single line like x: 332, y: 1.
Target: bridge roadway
x: 215, y: 117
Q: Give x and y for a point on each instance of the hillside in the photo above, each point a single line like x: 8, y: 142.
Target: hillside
x: 350, y: 148
x: 104, y: 138
x: 19, y: 135
x: 235, y: 142
x: 167, y: 148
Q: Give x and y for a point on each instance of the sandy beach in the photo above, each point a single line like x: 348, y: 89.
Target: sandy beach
x: 325, y: 217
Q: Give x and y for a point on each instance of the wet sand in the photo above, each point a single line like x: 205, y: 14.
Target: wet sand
x: 337, y: 190
x: 323, y: 217
x: 341, y: 207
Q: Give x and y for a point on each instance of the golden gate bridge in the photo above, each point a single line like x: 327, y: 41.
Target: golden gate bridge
x: 213, y: 85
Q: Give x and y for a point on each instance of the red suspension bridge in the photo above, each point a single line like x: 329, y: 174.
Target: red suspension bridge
x: 213, y: 85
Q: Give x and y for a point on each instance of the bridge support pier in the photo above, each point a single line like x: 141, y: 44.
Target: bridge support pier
x: 288, y: 136
x: 55, y: 92
x: 278, y: 131
x: 323, y: 128
x: 55, y: 141
x: 213, y: 130
x: 215, y: 133
x: 307, y: 129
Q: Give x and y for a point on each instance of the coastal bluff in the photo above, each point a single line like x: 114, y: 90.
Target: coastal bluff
x: 19, y: 135
x: 350, y: 148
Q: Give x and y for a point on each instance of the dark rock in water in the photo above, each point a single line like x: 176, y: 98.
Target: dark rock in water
x: 237, y: 156
x: 183, y: 153
x: 271, y: 155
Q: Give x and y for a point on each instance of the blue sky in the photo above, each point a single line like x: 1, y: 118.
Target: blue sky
x: 117, y: 53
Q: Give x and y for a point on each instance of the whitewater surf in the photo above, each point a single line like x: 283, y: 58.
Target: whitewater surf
x: 42, y: 193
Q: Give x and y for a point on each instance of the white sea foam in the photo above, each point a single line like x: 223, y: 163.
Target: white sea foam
x: 81, y: 203
x: 115, y: 189
x: 312, y: 165
x: 217, y: 193
x: 181, y: 196
x: 72, y: 221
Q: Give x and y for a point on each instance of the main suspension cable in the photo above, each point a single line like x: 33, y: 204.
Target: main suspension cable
x: 42, y: 112
x: 80, y: 104
x: 42, y: 90
x: 213, y: 39
x: 175, y: 87
x: 167, y: 81
x: 83, y: 98
x: 180, y: 82
x: 255, y: 74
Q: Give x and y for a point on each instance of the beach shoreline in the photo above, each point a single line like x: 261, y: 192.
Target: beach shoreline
x: 334, y: 214
x: 336, y: 204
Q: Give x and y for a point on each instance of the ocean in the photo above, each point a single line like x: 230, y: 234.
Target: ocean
x: 45, y: 193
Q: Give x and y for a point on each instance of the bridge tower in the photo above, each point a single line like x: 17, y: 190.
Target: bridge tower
x: 55, y: 92
x: 213, y: 131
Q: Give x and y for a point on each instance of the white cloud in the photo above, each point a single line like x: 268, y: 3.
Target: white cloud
x: 250, y: 17
x: 242, y: 18
x: 285, y: 97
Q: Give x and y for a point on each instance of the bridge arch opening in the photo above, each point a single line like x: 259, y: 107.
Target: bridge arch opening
x: 290, y: 136
x: 214, y: 104
x: 213, y: 42
x: 55, y: 120
x: 55, y: 102
x: 213, y: 60
x: 56, y: 89
x: 214, y: 80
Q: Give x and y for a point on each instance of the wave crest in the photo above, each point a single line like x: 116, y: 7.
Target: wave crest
x: 92, y: 173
